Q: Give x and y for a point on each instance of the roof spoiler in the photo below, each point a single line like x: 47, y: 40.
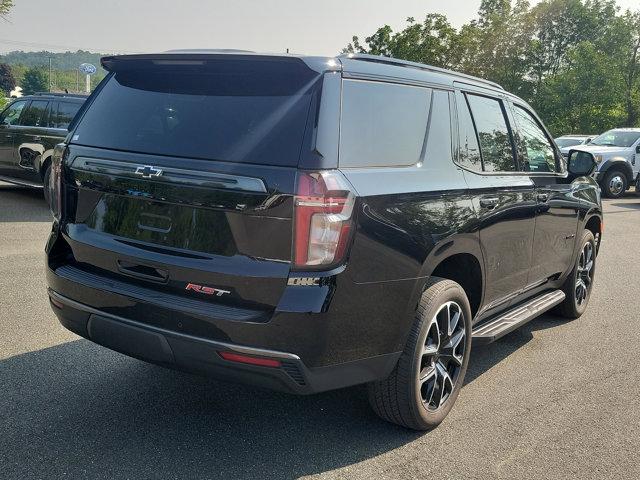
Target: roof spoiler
x: 114, y: 63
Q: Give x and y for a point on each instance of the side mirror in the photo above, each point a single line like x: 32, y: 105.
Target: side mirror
x: 581, y: 164
x: 588, y: 141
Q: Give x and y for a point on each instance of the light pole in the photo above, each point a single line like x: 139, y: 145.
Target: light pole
x: 49, y: 73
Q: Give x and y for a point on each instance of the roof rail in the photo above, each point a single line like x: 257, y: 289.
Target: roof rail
x: 406, y: 63
x: 58, y: 94
x: 209, y: 50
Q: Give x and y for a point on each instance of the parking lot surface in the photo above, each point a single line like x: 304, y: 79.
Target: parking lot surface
x: 555, y: 399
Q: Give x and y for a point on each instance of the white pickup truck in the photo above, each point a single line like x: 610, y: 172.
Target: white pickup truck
x: 617, y: 153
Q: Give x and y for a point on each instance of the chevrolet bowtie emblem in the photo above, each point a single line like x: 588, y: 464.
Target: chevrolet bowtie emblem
x: 148, y: 171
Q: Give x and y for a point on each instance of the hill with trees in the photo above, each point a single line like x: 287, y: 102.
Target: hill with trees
x: 64, y: 68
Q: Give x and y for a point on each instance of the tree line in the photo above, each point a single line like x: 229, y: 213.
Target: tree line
x: 577, y: 62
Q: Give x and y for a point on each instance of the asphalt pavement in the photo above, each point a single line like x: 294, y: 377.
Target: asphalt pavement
x: 553, y: 400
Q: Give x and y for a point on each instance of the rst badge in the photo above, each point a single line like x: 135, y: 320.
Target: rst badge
x: 206, y: 290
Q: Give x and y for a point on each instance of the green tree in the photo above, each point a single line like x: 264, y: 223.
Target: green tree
x: 34, y: 80
x: 7, y: 80
x: 576, y: 61
x: 585, y: 98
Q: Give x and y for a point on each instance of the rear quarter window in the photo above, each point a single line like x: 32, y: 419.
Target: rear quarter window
x: 382, y: 124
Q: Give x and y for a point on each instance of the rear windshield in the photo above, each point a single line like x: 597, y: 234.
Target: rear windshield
x: 568, y: 142
x: 249, y: 111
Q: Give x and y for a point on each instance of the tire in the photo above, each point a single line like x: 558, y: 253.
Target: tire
x: 46, y: 176
x: 614, y: 184
x: 406, y: 399
x: 577, y: 296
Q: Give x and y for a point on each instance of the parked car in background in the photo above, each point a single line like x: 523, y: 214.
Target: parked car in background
x: 306, y: 223
x: 30, y: 127
x: 565, y: 142
x: 617, y: 153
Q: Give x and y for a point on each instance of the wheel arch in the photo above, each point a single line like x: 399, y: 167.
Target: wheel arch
x: 619, y: 164
x: 458, y: 259
x: 594, y: 223
x: 45, y: 159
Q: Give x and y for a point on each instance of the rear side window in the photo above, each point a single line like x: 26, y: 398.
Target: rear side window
x: 237, y: 110
x: 494, y: 136
x: 36, y: 114
x: 63, y: 113
x: 382, y: 124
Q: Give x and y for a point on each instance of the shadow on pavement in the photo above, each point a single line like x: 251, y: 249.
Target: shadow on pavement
x: 632, y: 206
x: 80, y: 410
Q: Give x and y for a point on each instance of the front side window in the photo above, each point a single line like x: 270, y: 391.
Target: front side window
x: 537, y: 153
x: 495, y: 139
x: 383, y: 124
x: 34, y: 116
x: 12, y: 114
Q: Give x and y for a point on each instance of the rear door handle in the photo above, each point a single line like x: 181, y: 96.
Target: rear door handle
x: 543, y: 197
x: 489, y: 202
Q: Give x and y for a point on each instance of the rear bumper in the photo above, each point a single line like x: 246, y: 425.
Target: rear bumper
x: 201, y: 355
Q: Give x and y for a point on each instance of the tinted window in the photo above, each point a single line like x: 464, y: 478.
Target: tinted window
x: 382, y: 124
x: 439, y: 138
x: 495, y: 139
x: 61, y: 118
x: 469, y: 156
x: 537, y: 153
x: 11, y: 115
x: 239, y: 110
x: 35, y: 114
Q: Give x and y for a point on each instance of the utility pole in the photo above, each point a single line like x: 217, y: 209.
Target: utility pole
x: 49, y: 73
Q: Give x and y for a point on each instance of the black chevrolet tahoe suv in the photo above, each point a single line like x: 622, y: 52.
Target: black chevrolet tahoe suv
x: 30, y: 128
x: 307, y: 224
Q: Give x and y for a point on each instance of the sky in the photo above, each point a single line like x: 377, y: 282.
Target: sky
x: 321, y: 27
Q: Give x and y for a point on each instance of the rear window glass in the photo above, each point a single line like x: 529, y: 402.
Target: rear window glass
x: 382, y: 124
x: 249, y: 111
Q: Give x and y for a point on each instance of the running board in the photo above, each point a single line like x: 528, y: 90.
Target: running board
x: 509, y: 321
x: 21, y: 182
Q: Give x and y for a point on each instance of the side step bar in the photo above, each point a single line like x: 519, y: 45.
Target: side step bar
x: 509, y: 321
x: 21, y: 182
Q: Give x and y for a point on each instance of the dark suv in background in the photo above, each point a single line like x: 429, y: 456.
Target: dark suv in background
x: 307, y: 223
x: 30, y: 127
